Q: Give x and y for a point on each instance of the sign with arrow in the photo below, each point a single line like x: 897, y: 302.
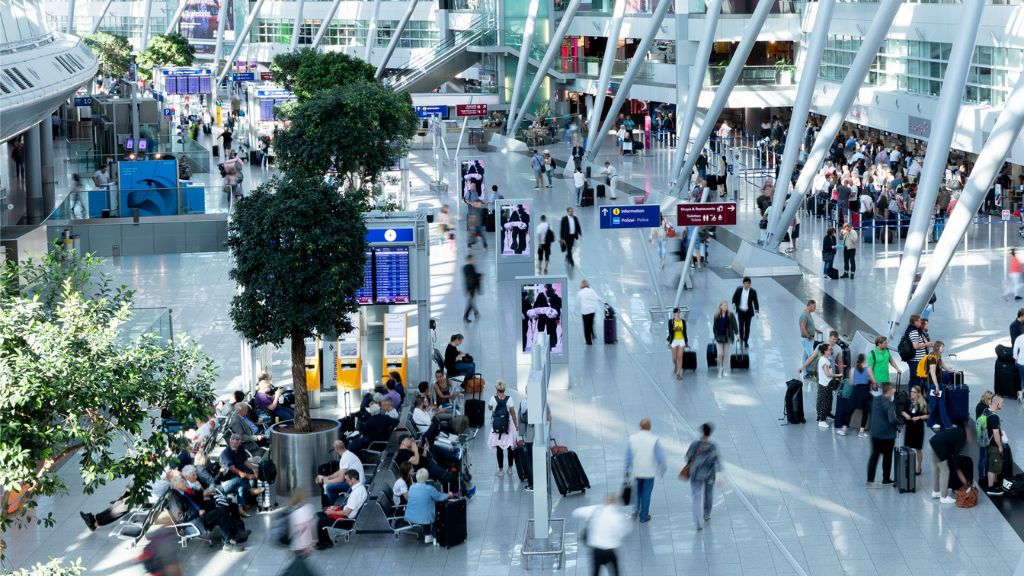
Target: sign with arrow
x: 633, y: 216
x: 706, y: 214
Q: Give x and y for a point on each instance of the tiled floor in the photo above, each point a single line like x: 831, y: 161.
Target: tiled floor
x: 792, y: 500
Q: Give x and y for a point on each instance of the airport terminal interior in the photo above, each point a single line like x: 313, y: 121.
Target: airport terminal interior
x: 676, y: 150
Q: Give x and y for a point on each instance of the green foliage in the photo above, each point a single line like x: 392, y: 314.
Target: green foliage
x: 52, y: 568
x: 72, y: 383
x: 306, y: 72
x: 359, y: 131
x: 113, y: 51
x: 165, y: 50
x: 299, y: 249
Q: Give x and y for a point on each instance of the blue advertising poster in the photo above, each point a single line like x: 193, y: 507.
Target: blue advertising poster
x: 149, y: 185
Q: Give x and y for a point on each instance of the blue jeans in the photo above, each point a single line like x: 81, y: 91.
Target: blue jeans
x: 808, y: 344
x: 703, y: 497
x: 579, y: 195
x: 827, y: 263
x: 466, y: 368
x: 334, y: 490
x: 644, y: 487
x: 938, y: 405
x: 239, y: 485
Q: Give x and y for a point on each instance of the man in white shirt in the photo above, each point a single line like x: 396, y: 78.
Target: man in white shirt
x: 335, y: 484
x: 611, y: 178
x: 101, y: 177
x: 357, y: 497
x: 579, y: 181
x: 543, y: 245
x: 915, y: 169
x: 645, y: 459
x: 606, y: 527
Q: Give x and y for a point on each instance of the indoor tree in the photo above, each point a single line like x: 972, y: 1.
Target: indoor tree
x: 113, y: 52
x: 165, y: 50
x: 306, y: 72
x: 299, y: 248
x: 73, y: 384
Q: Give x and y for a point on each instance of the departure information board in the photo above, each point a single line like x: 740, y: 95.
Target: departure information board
x: 385, y: 277
x: 365, y: 294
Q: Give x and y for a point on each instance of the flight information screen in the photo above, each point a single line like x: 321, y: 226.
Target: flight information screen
x: 391, y: 275
x: 365, y: 294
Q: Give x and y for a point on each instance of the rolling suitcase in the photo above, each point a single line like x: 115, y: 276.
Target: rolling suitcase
x: 1007, y: 378
x: 906, y: 469
x: 588, y: 196
x: 489, y: 221
x: 793, y: 408
x: 523, y: 464
x: 957, y: 396
x: 600, y: 190
x: 611, y: 335
x: 475, y: 412
x: 450, y: 522
x: 216, y: 151
x: 569, y: 474
x: 689, y: 359
x: 712, y: 355
x: 739, y: 361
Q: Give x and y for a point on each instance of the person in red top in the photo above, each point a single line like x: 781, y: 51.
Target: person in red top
x: 1013, y: 281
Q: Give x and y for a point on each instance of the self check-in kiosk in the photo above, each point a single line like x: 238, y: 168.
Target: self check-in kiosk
x: 395, y: 356
x: 313, y: 363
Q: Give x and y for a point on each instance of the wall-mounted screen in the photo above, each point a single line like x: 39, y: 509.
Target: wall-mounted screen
x: 394, y: 349
x: 542, y: 312
x: 515, y: 230
x: 348, y: 349
x: 385, y: 277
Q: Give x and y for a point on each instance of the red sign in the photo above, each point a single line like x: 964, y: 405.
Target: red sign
x: 707, y: 214
x: 266, y: 76
x: 471, y: 109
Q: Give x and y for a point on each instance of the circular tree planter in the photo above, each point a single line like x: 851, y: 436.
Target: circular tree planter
x: 297, y: 454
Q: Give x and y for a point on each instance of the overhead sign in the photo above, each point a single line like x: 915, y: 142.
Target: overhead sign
x: 471, y: 109
x: 186, y: 72
x: 706, y: 214
x: 270, y: 93
x: 266, y: 76
x: 634, y: 216
x: 243, y: 76
x: 168, y: 112
x: 428, y: 111
x: 82, y: 101
x: 389, y: 235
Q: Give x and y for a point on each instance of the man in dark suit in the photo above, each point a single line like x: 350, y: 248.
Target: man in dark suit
x: 577, y: 156
x: 569, y: 233
x: 744, y: 300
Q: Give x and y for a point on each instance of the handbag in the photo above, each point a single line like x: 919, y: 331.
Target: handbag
x: 670, y: 232
x: 967, y: 497
x: 627, y: 491
x: 684, y: 474
x: 561, y: 244
x: 835, y: 384
x: 847, y: 391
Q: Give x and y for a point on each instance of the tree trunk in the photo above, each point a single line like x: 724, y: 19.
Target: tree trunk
x: 299, y: 381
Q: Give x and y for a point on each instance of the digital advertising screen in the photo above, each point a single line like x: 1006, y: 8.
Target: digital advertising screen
x: 385, y: 277
x: 542, y: 312
x: 515, y: 229
x: 199, y: 20
x: 149, y: 185
x: 472, y: 177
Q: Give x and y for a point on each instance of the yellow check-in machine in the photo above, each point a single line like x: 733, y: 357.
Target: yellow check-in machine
x: 313, y: 363
x: 395, y: 355
x: 350, y: 360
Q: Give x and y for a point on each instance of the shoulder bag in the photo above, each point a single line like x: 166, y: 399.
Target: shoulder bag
x: 684, y: 474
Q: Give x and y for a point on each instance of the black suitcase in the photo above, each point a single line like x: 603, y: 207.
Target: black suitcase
x: 475, y: 412
x: 569, y: 474
x: 712, y: 354
x: 739, y: 361
x: 450, y: 522
x: 833, y: 274
x: 216, y: 151
x: 906, y: 469
x: 793, y: 409
x: 1004, y: 353
x: 600, y: 190
x: 957, y: 395
x: 610, y: 330
x: 689, y: 359
x: 207, y: 129
x: 255, y: 157
x: 489, y: 221
x: 587, y: 172
x: 524, y: 464
x: 588, y: 197
x: 1007, y: 379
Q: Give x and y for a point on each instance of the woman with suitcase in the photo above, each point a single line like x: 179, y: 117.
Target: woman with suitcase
x: 915, y: 416
x: 677, y: 341
x: 724, y: 327
x: 933, y: 367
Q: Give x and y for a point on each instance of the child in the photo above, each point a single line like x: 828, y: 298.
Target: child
x: 860, y: 398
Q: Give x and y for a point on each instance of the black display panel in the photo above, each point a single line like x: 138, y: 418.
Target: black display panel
x: 365, y: 294
x: 385, y: 277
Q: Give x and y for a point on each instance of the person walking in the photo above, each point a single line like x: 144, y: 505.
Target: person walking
x: 537, y: 163
x: 704, y: 465
x: 588, y: 303
x: 645, y: 460
x: 946, y: 446
x: 578, y: 181
x: 744, y: 300
x: 549, y: 167
x: 503, y: 427
x: 471, y: 279
x: 1013, y: 277
x: 659, y: 236
x: 677, y: 341
x: 883, y: 436
x: 569, y: 233
x: 605, y: 527
x: 849, y: 237
x: 544, y: 239
x: 723, y: 326
x: 577, y: 155
x: 18, y: 156
x: 828, y: 251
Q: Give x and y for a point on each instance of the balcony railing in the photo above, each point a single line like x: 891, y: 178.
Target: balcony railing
x: 746, y: 7
x: 753, y: 76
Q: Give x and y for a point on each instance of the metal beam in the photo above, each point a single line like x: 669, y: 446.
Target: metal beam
x: 103, y: 13
x: 524, y: 62
x: 840, y: 108
x: 631, y: 72
x: 297, y: 27
x: 801, y: 108
x: 371, y: 34
x: 71, y: 17
x: 395, y: 38
x: 1000, y: 142
x: 691, y: 245
x: 939, y: 140
x: 605, y: 75
x: 722, y: 92
x: 218, y: 50
x: 325, y: 24
x: 240, y: 40
x: 554, y: 49
x: 697, y: 72
x: 146, y: 18
x: 177, y: 16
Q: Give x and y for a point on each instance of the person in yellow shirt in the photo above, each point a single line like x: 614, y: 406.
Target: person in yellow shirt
x: 677, y: 340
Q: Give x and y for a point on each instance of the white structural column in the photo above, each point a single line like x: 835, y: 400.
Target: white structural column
x: 605, y: 75
x: 297, y: 27
x: 840, y: 107
x: 722, y: 92
x: 71, y: 17
x: 1008, y: 125
x: 371, y: 34
x: 218, y: 49
x: 691, y: 246
x: 146, y: 18
x: 801, y: 107
x: 697, y: 72
x: 240, y: 40
x: 943, y: 125
x: 177, y: 16
x: 524, y: 62
x: 96, y: 23
x: 395, y: 38
x: 627, y: 80
x: 325, y: 24
x: 554, y: 49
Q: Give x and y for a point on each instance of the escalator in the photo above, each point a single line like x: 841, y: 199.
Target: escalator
x: 427, y: 71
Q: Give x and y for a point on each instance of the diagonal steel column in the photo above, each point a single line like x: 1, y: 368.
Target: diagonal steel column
x: 371, y: 34
x: 1008, y: 125
x: 631, y: 72
x: 523, y: 64
x: 722, y: 92
x: 939, y: 139
x: 297, y: 27
x: 218, y: 49
x: 554, y: 49
x: 395, y: 38
x: 103, y: 13
x: 801, y: 107
x: 71, y: 17
x: 697, y: 72
x: 241, y: 39
x: 691, y: 246
x: 182, y: 4
x: 146, y: 18
x: 605, y: 75
x: 840, y: 108
x: 325, y: 24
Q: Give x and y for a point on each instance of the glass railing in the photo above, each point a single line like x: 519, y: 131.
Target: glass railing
x: 633, y: 7
x: 746, y: 7
x: 753, y: 76
x: 103, y: 202
x: 480, y: 32
x: 590, y: 67
x: 515, y: 40
x: 145, y: 321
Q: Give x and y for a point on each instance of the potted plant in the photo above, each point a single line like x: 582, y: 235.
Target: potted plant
x: 784, y: 72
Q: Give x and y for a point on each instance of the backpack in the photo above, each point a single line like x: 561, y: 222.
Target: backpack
x: 549, y: 237
x: 268, y: 470
x: 500, y: 418
x: 906, y: 347
x: 281, y: 529
x: 982, y: 431
x: 223, y: 170
x: 922, y: 367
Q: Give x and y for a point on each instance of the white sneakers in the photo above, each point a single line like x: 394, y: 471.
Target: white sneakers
x: 822, y: 424
x: 841, y: 431
x: 501, y: 472
x: 936, y: 495
x: 947, y: 500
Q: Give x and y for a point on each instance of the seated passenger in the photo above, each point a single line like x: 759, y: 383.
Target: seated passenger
x: 226, y: 406
x: 392, y: 393
x: 423, y: 498
x: 399, y: 385
x: 240, y: 425
x: 184, y: 511
x: 443, y: 393
x: 241, y: 474
x: 421, y: 417
x: 357, y: 497
x: 376, y: 427
x: 270, y: 400
x: 335, y: 484
x: 458, y: 363
x: 387, y: 408
x: 400, y: 489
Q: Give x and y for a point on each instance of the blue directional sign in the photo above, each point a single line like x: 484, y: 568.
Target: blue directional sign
x: 389, y: 235
x: 633, y: 216
x: 243, y: 76
x: 81, y: 101
x: 428, y: 111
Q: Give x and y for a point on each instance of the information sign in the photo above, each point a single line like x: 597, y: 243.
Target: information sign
x: 471, y: 109
x: 706, y: 214
x: 634, y: 216
x: 429, y: 111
